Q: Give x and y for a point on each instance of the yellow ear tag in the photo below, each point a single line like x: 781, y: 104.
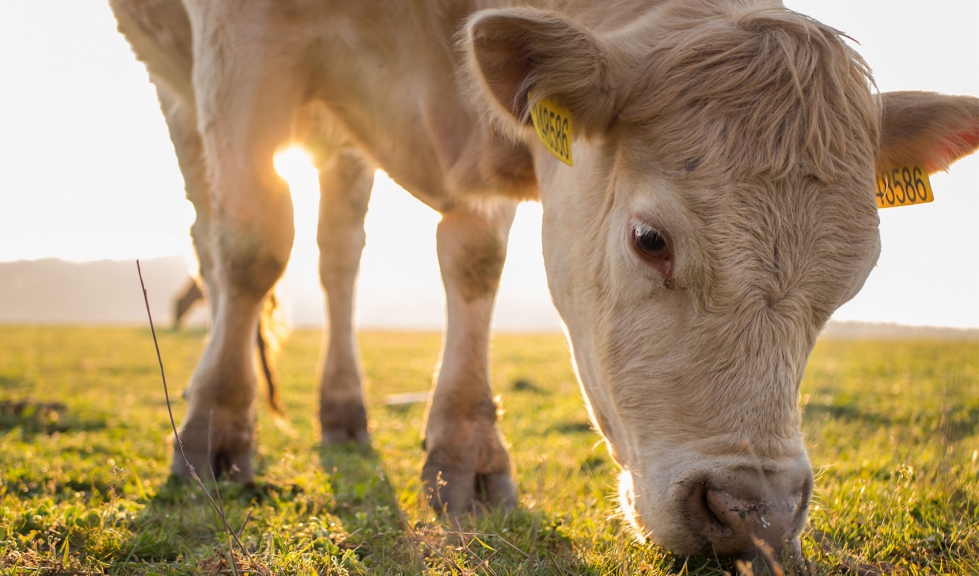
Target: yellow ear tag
x: 553, y: 124
x: 903, y: 186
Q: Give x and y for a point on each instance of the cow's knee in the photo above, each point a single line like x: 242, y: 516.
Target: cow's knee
x: 251, y: 259
x: 472, y: 250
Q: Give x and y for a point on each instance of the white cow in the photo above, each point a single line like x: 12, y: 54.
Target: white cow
x: 708, y: 202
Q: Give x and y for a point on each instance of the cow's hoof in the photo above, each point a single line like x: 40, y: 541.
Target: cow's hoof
x: 461, y: 482
x: 222, y: 452
x: 343, y: 422
x: 462, y: 491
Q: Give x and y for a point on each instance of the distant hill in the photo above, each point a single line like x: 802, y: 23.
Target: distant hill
x: 53, y: 291
x: 881, y: 331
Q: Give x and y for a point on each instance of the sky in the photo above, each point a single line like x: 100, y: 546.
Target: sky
x: 87, y: 172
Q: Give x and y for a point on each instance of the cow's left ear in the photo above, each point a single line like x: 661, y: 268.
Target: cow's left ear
x: 927, y: 128
x: 520, y: 51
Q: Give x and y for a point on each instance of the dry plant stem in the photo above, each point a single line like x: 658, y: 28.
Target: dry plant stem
x: 413, y: 536
x: 248, y: 516
x: 483, y: 563
x: 416, y: 538
x: 401, y: 517
x: 217, y: 492
x: 556, y: 565
x: 173, y: 424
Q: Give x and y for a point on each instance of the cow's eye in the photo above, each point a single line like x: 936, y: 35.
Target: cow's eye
x: 649, y: 241
x: 653, y: 246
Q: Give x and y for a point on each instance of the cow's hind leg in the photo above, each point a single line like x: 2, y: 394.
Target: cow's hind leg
x: 467, y: 464
x: 345, y: 186
x: 247, y: 95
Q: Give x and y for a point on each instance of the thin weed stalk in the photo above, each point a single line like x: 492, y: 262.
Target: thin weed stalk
x: 180, y: 446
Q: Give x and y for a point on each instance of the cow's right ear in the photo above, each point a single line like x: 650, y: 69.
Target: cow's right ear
x: 520, y: 51
x: 933, y: 129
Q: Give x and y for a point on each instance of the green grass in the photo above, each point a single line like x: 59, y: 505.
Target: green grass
x: 892, y: 429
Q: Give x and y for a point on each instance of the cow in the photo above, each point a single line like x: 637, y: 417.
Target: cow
x: 707, y: 171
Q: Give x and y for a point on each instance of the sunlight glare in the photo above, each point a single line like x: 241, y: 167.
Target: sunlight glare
x: 295, y: 166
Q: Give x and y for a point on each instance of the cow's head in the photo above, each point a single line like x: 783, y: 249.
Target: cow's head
x: 720, y: 208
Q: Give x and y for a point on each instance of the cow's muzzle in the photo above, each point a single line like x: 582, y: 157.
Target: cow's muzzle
x: 746, y: 510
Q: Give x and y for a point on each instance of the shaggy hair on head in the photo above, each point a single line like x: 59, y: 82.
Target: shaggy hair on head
x: 718, y: 76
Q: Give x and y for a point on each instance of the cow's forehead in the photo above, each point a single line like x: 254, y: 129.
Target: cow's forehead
x: 749, y: 91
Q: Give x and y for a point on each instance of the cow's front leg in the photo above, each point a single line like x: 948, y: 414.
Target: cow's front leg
x: 467, y: 464
x: 247, y: 95
x: 345, y: 188
x: 250, y: 248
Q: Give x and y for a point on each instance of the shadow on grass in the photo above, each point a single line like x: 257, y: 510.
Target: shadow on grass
x: 850, y: 412
x: 497, y: 541
x: 572, y: 427
x: 9, y: 383
x: 953, y: 422
x: 387, y: 541
x: 178, y: 519
x: 279, y: 523
x: 33, y: 417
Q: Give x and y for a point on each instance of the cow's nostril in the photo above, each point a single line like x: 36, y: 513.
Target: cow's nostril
x: 704, y: 520
x: 735, y: 524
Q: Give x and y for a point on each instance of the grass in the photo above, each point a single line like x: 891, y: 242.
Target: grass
x: 892, y: 429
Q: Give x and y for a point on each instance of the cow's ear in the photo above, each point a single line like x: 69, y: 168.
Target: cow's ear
x: 520, y: 51
x: 927, y: 128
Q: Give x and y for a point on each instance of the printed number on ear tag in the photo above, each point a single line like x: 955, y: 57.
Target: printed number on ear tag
x: 903, y: 186
x: 553, y: 124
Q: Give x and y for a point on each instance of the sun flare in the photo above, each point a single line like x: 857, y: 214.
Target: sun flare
x: 295, y: 165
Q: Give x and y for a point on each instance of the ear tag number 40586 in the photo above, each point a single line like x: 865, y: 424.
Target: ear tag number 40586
x: 553, y: 124
x: 903, y: 186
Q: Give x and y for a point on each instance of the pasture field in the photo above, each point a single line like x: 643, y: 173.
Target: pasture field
x: 892, y: 429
